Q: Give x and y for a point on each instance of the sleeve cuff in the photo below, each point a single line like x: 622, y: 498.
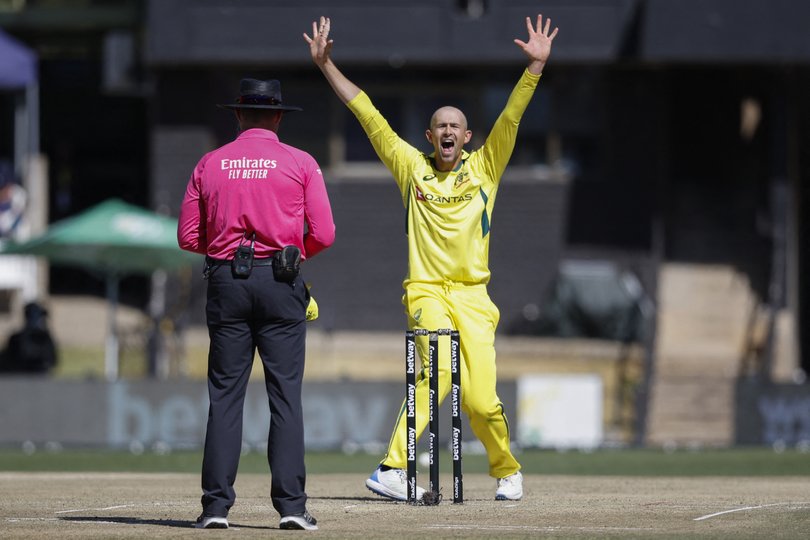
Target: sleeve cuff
x: 359, y: 103
x: 531, y: 76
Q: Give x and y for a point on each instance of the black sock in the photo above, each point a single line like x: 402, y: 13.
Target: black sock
x: 384, y: 468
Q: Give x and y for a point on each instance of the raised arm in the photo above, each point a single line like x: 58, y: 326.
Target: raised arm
x: 497, y: 149
x: 320, y: 47
x: 538, y: 46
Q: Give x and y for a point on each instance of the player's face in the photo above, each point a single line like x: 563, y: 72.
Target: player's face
x: 448, y: 134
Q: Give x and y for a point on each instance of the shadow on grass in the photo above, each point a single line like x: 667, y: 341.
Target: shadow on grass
x: 175, y: 523
x: 372, y: 498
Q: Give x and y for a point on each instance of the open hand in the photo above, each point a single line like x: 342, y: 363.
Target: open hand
x: 320, y: 45
x: 538, y: 46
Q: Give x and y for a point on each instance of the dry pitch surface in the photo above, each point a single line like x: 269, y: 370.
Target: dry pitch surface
x: 133, y: 505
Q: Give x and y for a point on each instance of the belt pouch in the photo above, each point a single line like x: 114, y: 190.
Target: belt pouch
x: 287, y: 264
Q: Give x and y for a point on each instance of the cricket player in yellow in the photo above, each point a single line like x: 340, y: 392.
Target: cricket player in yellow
x: 448, y: 196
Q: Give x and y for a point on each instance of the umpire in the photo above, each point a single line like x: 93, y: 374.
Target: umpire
x: 256, y: 208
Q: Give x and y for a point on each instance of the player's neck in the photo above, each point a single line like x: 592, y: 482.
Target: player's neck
x: 444, y: 166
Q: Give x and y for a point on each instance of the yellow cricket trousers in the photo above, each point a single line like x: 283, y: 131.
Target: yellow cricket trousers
x: 469, y: 309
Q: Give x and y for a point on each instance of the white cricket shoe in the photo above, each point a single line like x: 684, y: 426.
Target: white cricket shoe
x: 392, y: 483
x: 510, y: 488
x: 211, y: 522
x: 302, y: 522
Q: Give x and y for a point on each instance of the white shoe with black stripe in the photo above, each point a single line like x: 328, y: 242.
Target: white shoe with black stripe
x: 302, y: 522
x: 211, y: 522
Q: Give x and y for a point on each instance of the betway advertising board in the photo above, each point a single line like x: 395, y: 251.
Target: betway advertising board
x: 173, y: 414
x: 775, y: 415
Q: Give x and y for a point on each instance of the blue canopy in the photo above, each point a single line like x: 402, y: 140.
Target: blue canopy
x: 18, y: 64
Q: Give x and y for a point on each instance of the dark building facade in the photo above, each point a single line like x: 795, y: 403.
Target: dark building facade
x: 661, y: 131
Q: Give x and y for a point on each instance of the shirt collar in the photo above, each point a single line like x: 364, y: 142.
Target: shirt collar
x: 464, y: 156
x: 258, y: 133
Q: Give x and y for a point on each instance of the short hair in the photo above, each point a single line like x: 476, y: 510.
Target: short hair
x: 256, y: 116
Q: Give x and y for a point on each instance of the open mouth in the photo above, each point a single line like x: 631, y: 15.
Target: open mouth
x: 447, y: 147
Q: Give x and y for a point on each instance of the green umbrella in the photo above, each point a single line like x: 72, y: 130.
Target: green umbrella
x: 112, y: 239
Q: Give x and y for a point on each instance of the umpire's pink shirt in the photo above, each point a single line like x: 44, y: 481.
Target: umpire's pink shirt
x: 255, y: 183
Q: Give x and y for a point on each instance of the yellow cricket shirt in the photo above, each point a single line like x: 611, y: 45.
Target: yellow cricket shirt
x: 448, y: 213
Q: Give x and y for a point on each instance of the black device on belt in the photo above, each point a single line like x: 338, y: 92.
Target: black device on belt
x: 242, y: 263
x: 286, y: 262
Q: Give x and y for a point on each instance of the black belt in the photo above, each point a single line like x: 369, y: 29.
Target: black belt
x: 265, y: 261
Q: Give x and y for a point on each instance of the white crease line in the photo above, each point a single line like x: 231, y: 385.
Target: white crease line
x: 701, y: 518
x: 94, y: 509
x: 532, y: 528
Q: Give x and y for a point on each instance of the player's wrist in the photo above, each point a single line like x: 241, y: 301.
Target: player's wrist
x: 535, y: 67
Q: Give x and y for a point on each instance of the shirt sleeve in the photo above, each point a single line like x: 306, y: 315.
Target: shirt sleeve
x: 191, y: 226
x: 497, y: 149
x: 396, y: 154
x: 320, y: 232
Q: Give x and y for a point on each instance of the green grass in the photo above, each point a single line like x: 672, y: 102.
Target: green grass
x: 731, y: 462
x: 77, y: 362
x: 88, y: 363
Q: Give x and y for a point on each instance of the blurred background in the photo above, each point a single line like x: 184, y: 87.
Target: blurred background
x: 650, y: 241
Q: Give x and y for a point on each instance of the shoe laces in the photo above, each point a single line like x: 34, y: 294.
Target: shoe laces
x: 509, y: 480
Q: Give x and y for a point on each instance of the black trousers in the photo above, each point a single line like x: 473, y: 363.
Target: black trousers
x: 243, y: 315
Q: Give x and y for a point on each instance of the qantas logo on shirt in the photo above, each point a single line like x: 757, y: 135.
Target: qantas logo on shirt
x: 441, y: 199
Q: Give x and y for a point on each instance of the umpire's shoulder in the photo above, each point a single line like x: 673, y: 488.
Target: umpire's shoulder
x: 297, y: 156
